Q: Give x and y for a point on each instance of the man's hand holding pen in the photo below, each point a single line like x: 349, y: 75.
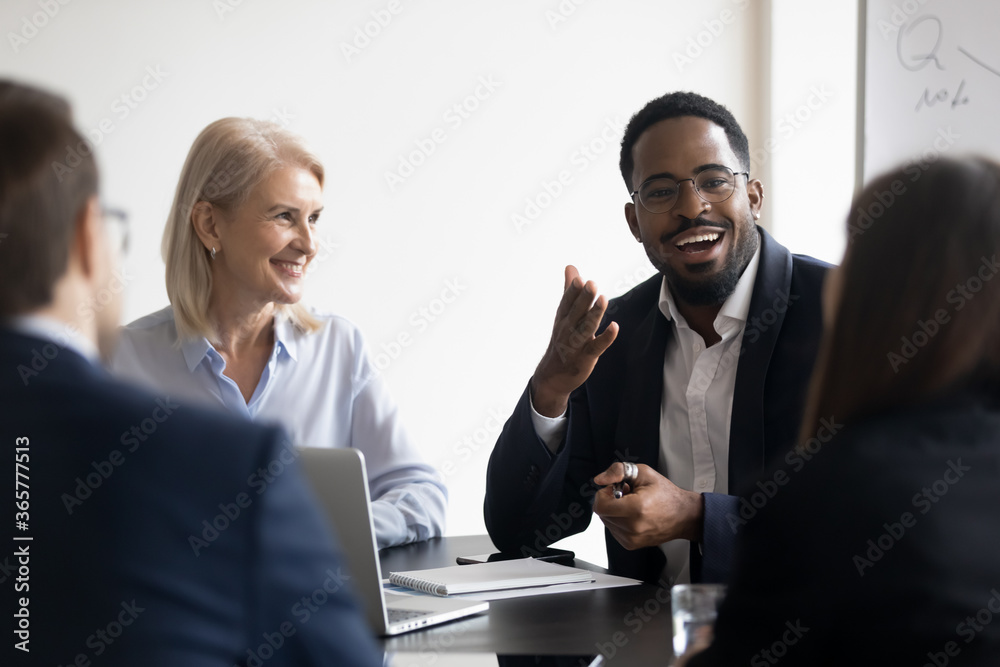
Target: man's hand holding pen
x: 631, y: 471
x: 651, y: 509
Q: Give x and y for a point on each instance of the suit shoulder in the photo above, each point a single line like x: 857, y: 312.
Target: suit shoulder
x: 636, y: 302
x: 134, y: 404
x: 808, y: 274
x: 810, y: 266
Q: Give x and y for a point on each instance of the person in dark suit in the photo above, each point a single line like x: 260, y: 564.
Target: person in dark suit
x: 884, y: 548
x: 144, y: 533
x: 697, y: 375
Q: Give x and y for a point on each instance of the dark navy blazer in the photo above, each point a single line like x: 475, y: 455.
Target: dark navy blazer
x: 161, y: 534
x: 534, y: 498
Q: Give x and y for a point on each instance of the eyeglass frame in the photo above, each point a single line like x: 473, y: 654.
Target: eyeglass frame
x: 120, y: 218
x: 696, y: 190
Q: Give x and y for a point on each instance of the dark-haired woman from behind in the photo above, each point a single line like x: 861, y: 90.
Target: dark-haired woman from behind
x: 881, y: 545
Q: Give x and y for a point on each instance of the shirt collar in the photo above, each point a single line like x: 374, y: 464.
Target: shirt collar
x: 735, y: 308
x: 61, y: 333
x: 196, y: 349
x: 285, y: 335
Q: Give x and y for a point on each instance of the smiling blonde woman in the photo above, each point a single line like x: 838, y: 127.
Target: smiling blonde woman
x: 239, y: 238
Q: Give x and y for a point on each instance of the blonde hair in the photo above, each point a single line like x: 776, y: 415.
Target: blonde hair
x: 226, y: 162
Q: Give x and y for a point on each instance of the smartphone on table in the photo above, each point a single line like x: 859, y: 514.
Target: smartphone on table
x: 561, y: 556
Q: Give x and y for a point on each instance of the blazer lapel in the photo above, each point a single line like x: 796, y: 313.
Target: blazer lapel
x: 638, y: 434
x: 764, y: 320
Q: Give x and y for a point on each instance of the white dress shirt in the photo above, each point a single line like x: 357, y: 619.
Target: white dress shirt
x: 697, y: 405
x: 324, y: 390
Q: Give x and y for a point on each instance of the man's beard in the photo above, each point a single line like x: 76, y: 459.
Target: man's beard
x: 715, y: 290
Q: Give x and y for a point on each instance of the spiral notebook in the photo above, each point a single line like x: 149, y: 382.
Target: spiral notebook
x: 501, y: 575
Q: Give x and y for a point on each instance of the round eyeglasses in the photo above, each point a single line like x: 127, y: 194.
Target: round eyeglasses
x: 714, y: 185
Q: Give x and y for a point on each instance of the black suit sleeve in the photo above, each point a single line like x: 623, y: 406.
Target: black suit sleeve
x: 535, y: 498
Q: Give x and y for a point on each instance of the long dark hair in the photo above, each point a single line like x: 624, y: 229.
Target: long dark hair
x: 919, y: 308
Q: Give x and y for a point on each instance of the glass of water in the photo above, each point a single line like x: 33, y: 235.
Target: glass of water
x: 694, y: 606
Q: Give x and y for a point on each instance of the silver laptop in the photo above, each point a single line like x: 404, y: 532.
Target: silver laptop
x: 340, y: 481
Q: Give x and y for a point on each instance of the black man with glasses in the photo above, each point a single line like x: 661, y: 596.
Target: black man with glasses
x: 697, y: 375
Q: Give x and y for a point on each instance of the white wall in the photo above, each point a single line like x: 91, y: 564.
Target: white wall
x: 810, y: 141
x: 567, y: 76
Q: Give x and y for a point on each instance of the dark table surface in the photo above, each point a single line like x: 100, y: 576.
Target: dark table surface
x: 628, y: 626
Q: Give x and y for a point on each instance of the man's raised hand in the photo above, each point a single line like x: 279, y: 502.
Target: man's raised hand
x: 574, y: 348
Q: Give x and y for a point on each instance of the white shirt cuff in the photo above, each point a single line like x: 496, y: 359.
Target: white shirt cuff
x: 549, y: 429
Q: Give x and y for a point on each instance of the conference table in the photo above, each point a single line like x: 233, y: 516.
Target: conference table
x: 627, y: 626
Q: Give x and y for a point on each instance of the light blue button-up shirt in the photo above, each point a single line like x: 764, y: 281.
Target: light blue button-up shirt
x: 322, y: 387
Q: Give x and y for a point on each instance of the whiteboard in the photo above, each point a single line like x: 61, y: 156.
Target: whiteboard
x: 930, y: 81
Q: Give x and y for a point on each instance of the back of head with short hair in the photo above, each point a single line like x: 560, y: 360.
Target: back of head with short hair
x: 40, y: 196
x: 226, y: 162
x: 676, y: 105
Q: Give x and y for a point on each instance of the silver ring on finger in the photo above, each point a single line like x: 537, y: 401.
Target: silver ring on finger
x: 631, y: 473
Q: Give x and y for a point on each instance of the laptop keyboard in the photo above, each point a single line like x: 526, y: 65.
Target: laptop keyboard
x: 400, y: 615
